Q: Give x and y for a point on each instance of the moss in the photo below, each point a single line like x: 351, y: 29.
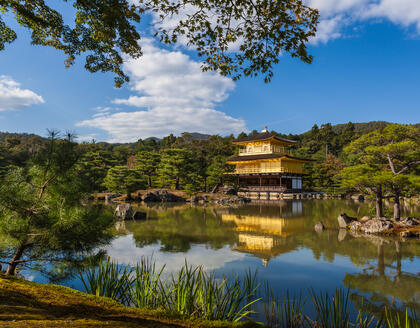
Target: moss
x: 28, y: 304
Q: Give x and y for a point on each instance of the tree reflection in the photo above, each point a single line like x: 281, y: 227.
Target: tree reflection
x: 268, y: 230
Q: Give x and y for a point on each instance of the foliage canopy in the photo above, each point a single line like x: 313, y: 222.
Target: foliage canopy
x: 236, y: 38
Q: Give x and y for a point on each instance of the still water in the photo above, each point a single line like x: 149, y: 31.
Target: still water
x: 278, y: 240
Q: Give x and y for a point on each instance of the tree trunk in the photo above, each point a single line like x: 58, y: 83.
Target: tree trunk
x: 13, y: 262
x: 149, y: 181
x: 128, y: 195
x: 397, y: 206
x: 379, y: 210
x: 177, y: 184
x: 205, y: 184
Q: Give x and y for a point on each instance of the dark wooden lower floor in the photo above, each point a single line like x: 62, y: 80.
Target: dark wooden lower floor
x: 270, y: 182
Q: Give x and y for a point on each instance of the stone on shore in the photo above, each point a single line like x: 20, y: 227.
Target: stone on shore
x: 232, y: 200
x: 344, y: 220
x: 162, y: 196
x: 376, y: 225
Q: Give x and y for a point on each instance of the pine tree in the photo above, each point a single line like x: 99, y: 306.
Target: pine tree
x: 147, y: 163
x: 121, y: 179
x: 40, y: 209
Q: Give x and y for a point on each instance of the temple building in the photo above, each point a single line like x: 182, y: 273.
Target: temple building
x: 265, y: 165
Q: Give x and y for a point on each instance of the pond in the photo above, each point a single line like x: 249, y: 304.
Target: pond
x: 278, y: 240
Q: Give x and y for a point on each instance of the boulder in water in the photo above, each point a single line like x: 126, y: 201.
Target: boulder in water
x: 319, y: 227
x: 344, y: 220
x: 123, y: 211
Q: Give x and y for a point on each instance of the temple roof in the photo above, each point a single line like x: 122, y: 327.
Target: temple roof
x: 264, y: 136
x: 264, y: 156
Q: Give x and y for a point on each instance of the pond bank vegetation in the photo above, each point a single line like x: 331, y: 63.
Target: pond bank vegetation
x: 196, y: 294
x: 27, y: 304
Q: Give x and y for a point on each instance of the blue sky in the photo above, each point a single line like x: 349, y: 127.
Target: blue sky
x: 366, y: 68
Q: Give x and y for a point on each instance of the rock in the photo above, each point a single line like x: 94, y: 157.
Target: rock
x: 194, y: 199
x: 162, y: 196
x: 408, y: 222
x: 136, y: 198
x: 123, y: 211
x: 319, y: 227
x: 166, y: 196
x: 355, y: 225
x: 344, y: 220
x: 359, y: 198
x: 139, y: 215
x: 365, y: 219
x: 376, y: 225
x: 151, y: 197
x: 232, y: 200
x: 228, y: 190
x: 406, y: 234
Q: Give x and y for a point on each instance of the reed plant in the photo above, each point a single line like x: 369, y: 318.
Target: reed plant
x: 146, y: 291
x: 332, y: 310
x: 400, y: 319
x: 285, y: 311
x: 194, y: 293
x: 108, y: 279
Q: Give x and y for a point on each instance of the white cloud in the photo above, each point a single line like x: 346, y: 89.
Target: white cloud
x: 337, y: 14
x: 176, y: 96
x: 124, y: 250
x: 328, y: 29
x: 12, y: 96
x: 402, y: 12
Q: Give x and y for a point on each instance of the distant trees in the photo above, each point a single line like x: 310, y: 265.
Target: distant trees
x: 175, y: 166
x: 41, y: 215
x: 198, y: 162
x: 121, y: 179
x: 147, y: 163
x: 93, y: 167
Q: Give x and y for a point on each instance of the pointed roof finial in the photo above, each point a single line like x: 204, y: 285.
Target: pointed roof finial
x: 265, y: 129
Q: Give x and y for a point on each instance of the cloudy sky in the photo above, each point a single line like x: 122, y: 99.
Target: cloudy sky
x: 366, y: 67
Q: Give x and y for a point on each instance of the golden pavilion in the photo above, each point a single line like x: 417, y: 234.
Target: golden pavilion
x: 265, y: 164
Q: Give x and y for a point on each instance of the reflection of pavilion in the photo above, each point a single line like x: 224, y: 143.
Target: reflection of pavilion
x: 263, y: 231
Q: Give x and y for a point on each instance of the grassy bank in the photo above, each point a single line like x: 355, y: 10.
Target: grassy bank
x: 27, y: 304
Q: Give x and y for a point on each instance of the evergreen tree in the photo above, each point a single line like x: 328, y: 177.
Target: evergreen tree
x: 366, y: 179
x: 217, y: 171
x: 147, y: 163
x: 175, y: 166
x: 395, y: 152
x: 40, y: 209
x: 93, y: 167
x: 121, y: 179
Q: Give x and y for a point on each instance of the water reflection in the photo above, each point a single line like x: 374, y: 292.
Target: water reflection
x: 279, y: 240
x: 378, y: 270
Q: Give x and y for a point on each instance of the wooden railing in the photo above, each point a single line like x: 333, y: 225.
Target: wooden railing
x: 271, y: 150
x: 266, y: 188
x: 267, y: 170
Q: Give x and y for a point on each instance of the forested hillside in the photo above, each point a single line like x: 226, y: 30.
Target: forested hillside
x: 192, y: 162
